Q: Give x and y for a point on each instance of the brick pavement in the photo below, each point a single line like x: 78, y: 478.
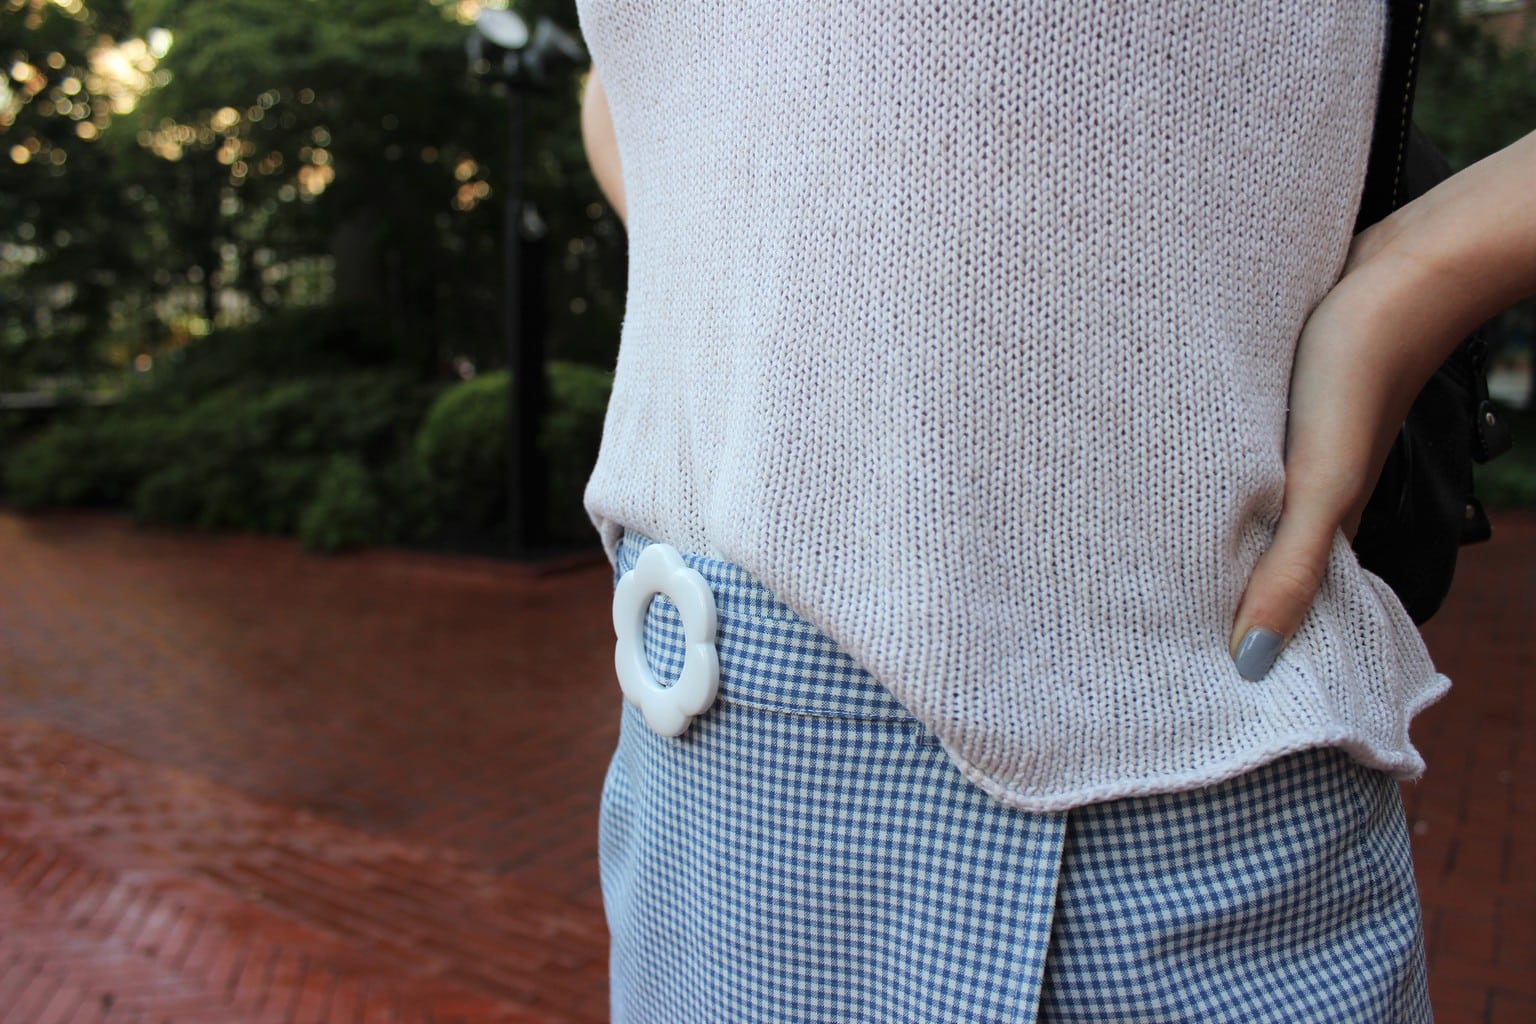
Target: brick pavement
x: 462, y: 702
x: 1474, y: 812
x: 131, y: 890
x: 241, y: 783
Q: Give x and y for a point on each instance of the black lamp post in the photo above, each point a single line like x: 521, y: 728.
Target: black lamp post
x: 502, y: 49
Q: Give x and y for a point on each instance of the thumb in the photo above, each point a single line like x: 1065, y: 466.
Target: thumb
x: 1283, y: 584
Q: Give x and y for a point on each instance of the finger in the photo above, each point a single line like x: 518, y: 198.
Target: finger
x: 1284, y: 582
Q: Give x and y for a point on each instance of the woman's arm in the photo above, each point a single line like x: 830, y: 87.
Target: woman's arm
x: 602, y: 147
x: 1413, y: 287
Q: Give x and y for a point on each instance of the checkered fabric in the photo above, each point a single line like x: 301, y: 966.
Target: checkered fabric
x: 806, y: 852
x: 1286, y: 894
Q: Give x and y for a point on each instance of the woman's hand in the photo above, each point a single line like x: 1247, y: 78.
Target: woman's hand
x: 1412, y: 288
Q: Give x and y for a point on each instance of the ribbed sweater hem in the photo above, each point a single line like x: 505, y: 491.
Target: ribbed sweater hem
x: 1402, y: 764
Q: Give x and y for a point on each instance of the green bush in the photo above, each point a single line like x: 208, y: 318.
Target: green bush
x: 288, y: 484
x: 96, y: 460
x: 247, y: 456
x: 171, y: 496
x: 463, y: 448
x: 17, y: 426
x: 573, y: 430
x: 409, y: 510
x: 341, y: 456
x: 289, y: 345
x: 345, y: 512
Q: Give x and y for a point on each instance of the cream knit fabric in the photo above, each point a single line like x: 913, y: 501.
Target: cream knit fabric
x: 966, y: 327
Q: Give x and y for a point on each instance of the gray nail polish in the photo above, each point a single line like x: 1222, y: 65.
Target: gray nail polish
x: 1257, y: 652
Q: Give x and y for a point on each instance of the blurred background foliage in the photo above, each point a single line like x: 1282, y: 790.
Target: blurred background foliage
x: 250, y: 264
x: 263, y: 233
x: 1477, y: 94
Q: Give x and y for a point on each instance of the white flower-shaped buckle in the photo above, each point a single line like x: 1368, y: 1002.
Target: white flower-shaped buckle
x: 667, y: 709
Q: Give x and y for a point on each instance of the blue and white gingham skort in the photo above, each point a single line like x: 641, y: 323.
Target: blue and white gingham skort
x: 806, y: 851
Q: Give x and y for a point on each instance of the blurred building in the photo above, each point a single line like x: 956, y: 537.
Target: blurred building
x: 1508, y: 19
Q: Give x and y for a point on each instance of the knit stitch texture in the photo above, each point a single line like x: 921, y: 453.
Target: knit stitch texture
x: 967, y: 327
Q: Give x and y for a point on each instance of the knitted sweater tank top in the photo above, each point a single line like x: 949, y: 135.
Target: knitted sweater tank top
x: 967, y: 327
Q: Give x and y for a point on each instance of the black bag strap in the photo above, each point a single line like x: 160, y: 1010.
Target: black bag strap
x: 1383, y: 191
x: 1404, y: 164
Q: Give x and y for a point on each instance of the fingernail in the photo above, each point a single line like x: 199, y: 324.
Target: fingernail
x: 1257, y: 653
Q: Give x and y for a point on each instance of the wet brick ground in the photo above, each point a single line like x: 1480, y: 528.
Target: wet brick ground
x: 242, y: 783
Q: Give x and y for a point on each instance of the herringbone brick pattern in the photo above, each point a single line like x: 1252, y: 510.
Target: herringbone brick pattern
x: 462, y: 702
x: 1474, y: 812
x: 240, y: 783
x: 134, y: 892
x: 85, y: 944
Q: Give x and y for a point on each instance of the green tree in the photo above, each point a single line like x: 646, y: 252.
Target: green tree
x: 69, y: 218
x: 1476, y: 93
x: 284, y: 154
x: 366, y: 117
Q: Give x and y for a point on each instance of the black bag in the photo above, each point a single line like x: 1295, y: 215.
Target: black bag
x: 1423, y: 508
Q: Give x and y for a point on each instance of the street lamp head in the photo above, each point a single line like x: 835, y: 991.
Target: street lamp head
x: 501, y: 48
x: 495, y: 45
x: 504, y: 28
